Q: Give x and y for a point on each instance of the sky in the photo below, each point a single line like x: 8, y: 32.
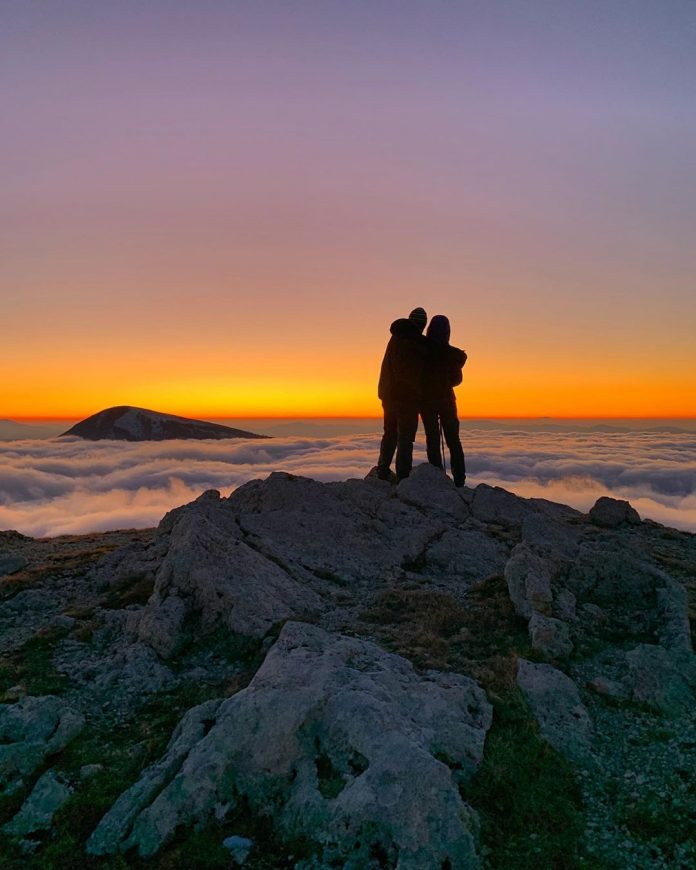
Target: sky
x: 59, y: 486
x: 216, y: 208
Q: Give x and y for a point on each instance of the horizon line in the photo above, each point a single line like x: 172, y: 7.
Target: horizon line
x: 63, y: 418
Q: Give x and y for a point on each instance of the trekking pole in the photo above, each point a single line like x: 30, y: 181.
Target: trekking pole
x: 442, y: 447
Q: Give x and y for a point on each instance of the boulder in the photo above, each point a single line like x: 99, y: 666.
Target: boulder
x: 337, y: 741
x: 555, y: 703
x: 432, y: 490
x: 662, y: 680
x: 608, y: 688
x: 550, y: 636
x: 609, y: 513
x: 161, y: 624
x: 492, y: 504
x: 545, y: 533
x: 564, y: 605
x: 674, y: 630
x: 30, y: 731
x: 630, y: 596
x: 108, y: 836
x: 528, y: 578
x: 48, y: 795
x: 466, y: 555
x: 209, y: 571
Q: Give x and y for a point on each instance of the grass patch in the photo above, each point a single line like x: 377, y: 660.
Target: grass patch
x: 31, y: 666
x: 417, y: 623
x: 526, y: 794
x: 130, y: 590
x: 666, y: 821
x: 481, y: 638
x: 220, y: 643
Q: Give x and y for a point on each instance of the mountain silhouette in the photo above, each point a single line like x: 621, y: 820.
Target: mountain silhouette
x: 126, y: 423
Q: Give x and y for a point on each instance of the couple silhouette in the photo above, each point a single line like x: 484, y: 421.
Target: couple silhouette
x: 417, y: 379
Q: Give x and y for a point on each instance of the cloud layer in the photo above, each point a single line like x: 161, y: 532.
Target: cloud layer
x: 69, y: 486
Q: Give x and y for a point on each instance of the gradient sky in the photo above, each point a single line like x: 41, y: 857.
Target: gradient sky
x: 217, y: 208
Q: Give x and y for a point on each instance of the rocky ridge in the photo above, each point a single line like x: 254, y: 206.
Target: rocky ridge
x: 338, y: 663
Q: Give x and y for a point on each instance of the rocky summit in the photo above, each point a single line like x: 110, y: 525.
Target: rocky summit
x: 351, y: 675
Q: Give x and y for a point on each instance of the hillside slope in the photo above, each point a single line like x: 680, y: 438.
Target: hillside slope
x: 125, y: 423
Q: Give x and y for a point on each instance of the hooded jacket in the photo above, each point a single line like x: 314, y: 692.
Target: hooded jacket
x: 401, y: 375
x: 442, y: 371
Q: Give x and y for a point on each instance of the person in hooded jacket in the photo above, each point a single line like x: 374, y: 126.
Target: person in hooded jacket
x: 442, y: 371
x: 400, y: 390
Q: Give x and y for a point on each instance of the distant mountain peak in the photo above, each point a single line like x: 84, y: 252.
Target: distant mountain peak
x: 128, y: 423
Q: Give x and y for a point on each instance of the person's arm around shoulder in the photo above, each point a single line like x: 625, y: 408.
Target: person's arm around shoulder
x: 457, y: 360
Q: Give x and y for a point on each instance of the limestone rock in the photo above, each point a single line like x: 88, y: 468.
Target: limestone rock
x: 48, y: 795
x: 430, y: 488
x: 564, y: 605
x: 209, y: 570
x: 673, y: 607
x: 612, y: 512
x: 528, y: 578
x: 30, y: 731
x: 117, y: 823
x: 161, y: 625
x: 465, y: 554
x: 134, y: 670
x: 337, y: 741
x: 661, y: 679
x: 550, y: 636
x: 492, y: 504
x: 373, y: 474
x: 545, y: 533
x: 609, y: 688
x: 238, y: 847
x: 555, y: 702
x: 633, y: 597
x: 345, y: 533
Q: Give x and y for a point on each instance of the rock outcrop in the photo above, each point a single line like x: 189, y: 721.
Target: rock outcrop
x: 285, y: 547
x: 611, y: 512
x: 555, y: 701
x: 336, y: 739
x: 270, y: 622
x: 46, y: 798
x: 31, y: 731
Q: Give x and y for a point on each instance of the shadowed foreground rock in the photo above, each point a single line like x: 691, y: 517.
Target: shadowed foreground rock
x: 30, y: 731
x: 248, y: 635
x: 340, y: 742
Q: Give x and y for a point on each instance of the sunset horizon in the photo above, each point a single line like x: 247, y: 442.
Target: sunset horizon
x: 220, y: 212
x: 348, y: 434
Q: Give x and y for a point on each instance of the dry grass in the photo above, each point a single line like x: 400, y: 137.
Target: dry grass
x: 481, y: 638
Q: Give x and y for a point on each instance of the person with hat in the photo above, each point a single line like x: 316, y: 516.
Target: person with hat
x: 400, y: 390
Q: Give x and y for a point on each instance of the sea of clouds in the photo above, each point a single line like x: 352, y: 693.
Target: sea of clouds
x: 68, y: 486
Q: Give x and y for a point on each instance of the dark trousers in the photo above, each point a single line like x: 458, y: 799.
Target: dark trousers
x: 400, y: 427
x: 444, y: 414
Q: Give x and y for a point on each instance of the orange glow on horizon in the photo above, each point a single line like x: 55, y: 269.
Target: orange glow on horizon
x: 326, y: 369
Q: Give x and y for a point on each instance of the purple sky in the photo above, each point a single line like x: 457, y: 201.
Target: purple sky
x: 297, y: 174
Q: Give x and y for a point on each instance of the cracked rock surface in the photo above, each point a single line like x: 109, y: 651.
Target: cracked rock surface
x: 328, y: 670
x: 338, y: 740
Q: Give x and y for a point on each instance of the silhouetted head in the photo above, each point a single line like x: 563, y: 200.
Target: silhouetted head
x: 439, y: 329
x: 419, y: 317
